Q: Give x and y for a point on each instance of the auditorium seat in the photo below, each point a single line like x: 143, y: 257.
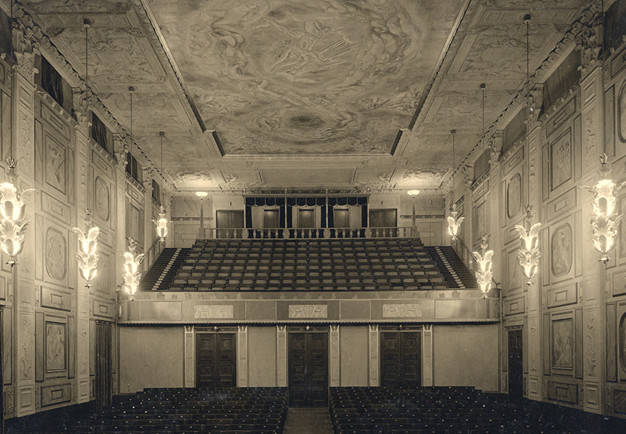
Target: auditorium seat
x: 225, y: 410
x: 308, y: 265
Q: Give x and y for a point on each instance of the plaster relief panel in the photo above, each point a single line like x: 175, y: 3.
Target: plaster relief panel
x: 102, y: 199
x: 513, y: 271
x: 55, y: 165
x: 55, y: 254
x: 561, y: 251
x: 514, y: 196
x: 561, y: 154
x: 103, y: 281
x: 480, y: 222
x: 56, y: 342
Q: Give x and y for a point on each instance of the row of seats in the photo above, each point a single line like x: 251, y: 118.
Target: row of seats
x: 310, y: 265
x: 230, y: 410
x: 454, y: 410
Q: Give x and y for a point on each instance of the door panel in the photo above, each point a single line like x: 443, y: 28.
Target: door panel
x: 103, y: 383
x: 342, y: 218
x: 270, y: 219
x: 516, y: 368
x: 228, y: 219
x: 306, y: 218
x: 215, y: 360
x: 401, y: 359
x: 308, y: 369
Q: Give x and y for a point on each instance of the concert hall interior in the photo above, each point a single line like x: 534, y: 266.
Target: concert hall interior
x: 373, y: 216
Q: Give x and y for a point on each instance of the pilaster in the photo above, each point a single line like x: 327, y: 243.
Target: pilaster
x: 468, y: 203
x: 374, y: 359
x: 23, y: 139
x: 82, y: 202
x: 534, y: 333
x: 242, y: 356
x: 427, y: 355
x: 190, y: 357
x: 595, y: 273
x: 334, y: 356
x: 120, y: 222
x: 148, y: 226
x: 281, y: 355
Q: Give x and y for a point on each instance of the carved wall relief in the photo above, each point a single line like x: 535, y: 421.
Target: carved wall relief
x: 622, y: 343
x: 562, y: 344
x: 55, y: 165
x: 56, y: 254
x: 102, y: 201
x: 55, y: 347
x: 561, y: 160
x: 514, y: 196
x: 561, y: 250
x: 621, y: 112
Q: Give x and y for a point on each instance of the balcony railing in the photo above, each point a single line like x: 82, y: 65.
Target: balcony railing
x: 293, y: 233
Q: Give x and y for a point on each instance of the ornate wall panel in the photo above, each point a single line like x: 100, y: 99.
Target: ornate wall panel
x: 55, y: 255
x: 562, y: 161
x: 101, y: 200
x: 561, y: 257
x: 562, y: 344
x: 52, y: 346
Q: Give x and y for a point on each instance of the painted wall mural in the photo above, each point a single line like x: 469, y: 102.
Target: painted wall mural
x: 561, y: 250
x: 562, y: 344
x: 322, y: 76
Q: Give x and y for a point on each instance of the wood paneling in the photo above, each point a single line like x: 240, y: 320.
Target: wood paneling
x: 401, y: 358
x: 216, y: 360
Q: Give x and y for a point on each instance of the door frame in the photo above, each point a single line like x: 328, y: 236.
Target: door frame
x: 319, y: 329
x: 400, y: 328
x: 208, y: 331
x: 508, y: 330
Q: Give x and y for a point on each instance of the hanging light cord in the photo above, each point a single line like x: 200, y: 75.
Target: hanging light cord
x: 86, y: 25
x: 529, y: 109
x: 527, y: 21
x: 453, y: 132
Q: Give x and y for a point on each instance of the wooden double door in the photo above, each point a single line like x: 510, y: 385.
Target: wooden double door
x: 401, y: 358
x: 216, y: 363
x: 515, y: 363
x: 308, y: 368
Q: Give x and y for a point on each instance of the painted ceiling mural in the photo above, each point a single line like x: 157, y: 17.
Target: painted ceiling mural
x: 304, y: 92
x: 321, y: 76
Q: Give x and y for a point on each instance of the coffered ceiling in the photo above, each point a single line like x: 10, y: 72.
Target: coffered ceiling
x: 305, y: 94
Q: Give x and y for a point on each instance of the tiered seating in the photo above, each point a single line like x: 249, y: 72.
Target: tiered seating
x: 232, y: 410
x: 454, y: 410
x: 308, y: 265
x: 433, y: 409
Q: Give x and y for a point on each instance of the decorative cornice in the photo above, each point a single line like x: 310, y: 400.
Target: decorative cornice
x: 563, y: 47
x: 31, y: 31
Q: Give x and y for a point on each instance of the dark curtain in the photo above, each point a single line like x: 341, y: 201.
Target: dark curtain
x: 363, y: 220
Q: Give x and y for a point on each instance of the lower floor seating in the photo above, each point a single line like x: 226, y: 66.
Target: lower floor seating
x: 230, y: 410
x: 455, y: 410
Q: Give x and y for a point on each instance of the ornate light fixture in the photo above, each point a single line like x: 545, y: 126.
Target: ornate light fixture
x: 161, y: 222
x: 605, y: 221
x: 132, y: 276
x: 454, y: 221
x: 87, y: 250
x: 528, y: 254
x: 484, y: 274
x: 12, y: 221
